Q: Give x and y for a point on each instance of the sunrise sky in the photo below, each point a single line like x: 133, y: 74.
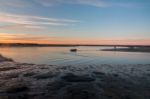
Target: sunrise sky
x: 75, y: 21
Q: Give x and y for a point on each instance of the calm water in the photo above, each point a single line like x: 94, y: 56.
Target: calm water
x: 62, y: 55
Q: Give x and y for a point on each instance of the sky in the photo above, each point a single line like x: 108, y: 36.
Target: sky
x: 75, y: 21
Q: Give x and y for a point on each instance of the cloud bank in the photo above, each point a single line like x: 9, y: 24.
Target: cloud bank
x: 97, y: 3
x: 32, y: 21
x: 50, y: 3
x: 14, y: 3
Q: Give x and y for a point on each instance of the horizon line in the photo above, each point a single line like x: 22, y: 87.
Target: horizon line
x: 38, y: 44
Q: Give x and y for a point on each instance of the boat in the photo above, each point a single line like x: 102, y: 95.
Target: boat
x: 73, y: 50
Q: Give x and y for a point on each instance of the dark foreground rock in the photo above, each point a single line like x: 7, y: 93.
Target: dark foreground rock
x: 30, y: 81
x: 77, y: 78
x: 2, y: 58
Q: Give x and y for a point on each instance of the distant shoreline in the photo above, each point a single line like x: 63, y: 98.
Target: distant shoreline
x: 128, y: 50
x: 64, y: 45
x: 117, y: 48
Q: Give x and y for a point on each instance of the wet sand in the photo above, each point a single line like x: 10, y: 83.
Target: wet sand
x: 105, y: 81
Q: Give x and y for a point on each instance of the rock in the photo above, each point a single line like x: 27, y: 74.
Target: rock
x: 7, y: 68
x: 2, y: 59
x: 98, y: 73
x: 45, y: 75
x: 28, y: 74
x: 15, y: 87
x: 75, y: 78
x: 10, y: 76
x: 115, y: 75
x: 56, y: 85
x: 81, y: 91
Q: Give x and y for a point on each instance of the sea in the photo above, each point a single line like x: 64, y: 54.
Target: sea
x: 85, y: 55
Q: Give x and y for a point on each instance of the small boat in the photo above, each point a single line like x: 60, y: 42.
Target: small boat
x: 73, y: 50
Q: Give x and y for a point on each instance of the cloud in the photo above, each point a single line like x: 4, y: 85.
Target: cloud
x: 24, y: 38
x: 7, y: 35
x: 94, y: 3
x: 23, y: 27
x: 32, y: 21
x: 14, y: 3
x: 48, y: 3
x: 25, y: 3
x: 97, y: 3
x: 28, y: 38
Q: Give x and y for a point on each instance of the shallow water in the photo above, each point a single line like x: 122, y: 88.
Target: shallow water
x: 63, y: 56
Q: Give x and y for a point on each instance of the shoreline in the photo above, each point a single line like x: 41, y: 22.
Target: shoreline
x: 105, y: 81
x: 142, y: 50
x: 66, y: 45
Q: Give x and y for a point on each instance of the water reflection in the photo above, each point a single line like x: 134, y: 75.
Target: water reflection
x: 84, y: 56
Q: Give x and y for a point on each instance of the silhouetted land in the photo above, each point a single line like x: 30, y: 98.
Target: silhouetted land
x: 105, y: 81
x: 33, y: 45
x: 136, y: 49
x: 65, y: 45
x: 124, y: 48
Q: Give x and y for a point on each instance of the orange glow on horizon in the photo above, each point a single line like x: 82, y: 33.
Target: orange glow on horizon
x: 75, y: 41
x: 21, y: 38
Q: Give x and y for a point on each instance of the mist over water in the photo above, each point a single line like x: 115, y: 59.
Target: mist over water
x: 63, y: 56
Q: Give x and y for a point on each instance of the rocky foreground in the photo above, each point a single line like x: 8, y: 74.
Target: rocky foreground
x: 31, y: 81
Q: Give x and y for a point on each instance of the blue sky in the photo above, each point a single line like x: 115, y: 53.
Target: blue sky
x: 75, y: 20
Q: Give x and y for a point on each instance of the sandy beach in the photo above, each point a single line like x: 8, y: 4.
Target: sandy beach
x: 105, y: 81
